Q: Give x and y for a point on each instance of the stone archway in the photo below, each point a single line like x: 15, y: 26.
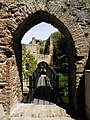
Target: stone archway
x: 17, y: 19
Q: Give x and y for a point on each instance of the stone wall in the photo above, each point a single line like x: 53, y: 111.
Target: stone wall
x: 10, y: 87
x: 34, y: 49
x: 45, y: 58
x: 71, y: 17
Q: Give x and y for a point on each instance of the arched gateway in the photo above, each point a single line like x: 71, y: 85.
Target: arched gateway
x: 16, y: 18
x: 43, y: 79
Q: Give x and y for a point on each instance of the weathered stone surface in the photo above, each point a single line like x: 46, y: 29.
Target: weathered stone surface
x: 42, y: 111
x: 2, y: 114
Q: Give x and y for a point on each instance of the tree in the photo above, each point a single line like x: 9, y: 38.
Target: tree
x: 28, y: 63
x: 59, y: 48
x: 60, y: 61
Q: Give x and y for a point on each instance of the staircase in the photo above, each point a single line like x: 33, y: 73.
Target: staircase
x: 39, y: 112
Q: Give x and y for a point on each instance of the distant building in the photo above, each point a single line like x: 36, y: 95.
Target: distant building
x: 41, y: 50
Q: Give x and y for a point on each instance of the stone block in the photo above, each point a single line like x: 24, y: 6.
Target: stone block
x: 2, y: 113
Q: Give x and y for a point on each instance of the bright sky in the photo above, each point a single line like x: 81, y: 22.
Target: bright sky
x: 40, y: 31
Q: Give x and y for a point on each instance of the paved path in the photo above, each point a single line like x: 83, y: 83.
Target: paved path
x: 39, y: 112
x: 42, y: 106
x: 36, y: 112
x: 55, y: 118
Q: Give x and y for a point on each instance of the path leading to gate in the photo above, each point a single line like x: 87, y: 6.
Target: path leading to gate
x: 39, y: 112
x: 42, y: 106
x: 36, y: 112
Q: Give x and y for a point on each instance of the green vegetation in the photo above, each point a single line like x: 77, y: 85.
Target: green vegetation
x: 60, y: 62
x: 87, y: 3
x: 56, y: 36
x: 59, y: 57
x: 63, y: 83
x: 63, y: 80
x: 28, y: 63
x: 41, y: 50
x: 65, y: 99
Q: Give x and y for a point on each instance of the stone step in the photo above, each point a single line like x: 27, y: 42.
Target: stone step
x: 38, y: 111
x: 48, y: 118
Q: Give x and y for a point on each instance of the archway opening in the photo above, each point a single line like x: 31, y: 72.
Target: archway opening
x: 51, y: 44
x: 36, y: 18
x: 36, y: 47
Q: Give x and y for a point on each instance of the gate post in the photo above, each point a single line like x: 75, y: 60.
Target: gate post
x: 30, y: 88
x: 30, y: 82
x: 87, y: 93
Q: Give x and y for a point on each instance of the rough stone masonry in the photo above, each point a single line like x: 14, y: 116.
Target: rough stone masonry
x: 70, y: 17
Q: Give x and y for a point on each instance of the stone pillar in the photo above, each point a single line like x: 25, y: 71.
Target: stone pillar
x: 87, y: 93
x: 10, y: 87
x: 72, y: 88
